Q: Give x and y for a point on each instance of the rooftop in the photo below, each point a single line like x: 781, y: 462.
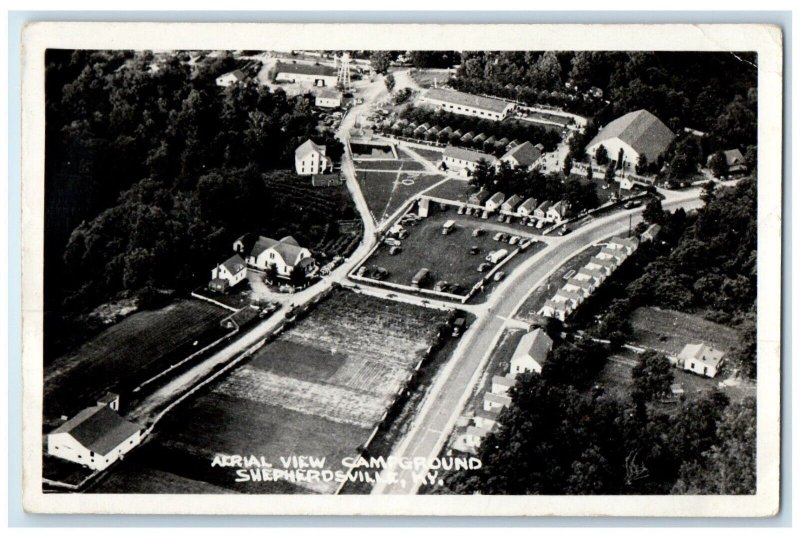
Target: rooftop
x: 99, y: 428
x: 305, y: 69
x: 466, y: 99
x: 641, y: 130
x: 525, y: 154
x: 535, y: 344
x: 455, y: 152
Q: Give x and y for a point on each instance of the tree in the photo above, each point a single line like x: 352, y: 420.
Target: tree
x: 388, y: 79
x: 567, y: 170
x: 380, y: 60
x: 610, y: 172
x: 652, y: 377
x: 718, y: 164
x: 297, y: 277
x: 653, y: 212
x: 601, y: 155
x: 271, y: 273
x: 642, y: 165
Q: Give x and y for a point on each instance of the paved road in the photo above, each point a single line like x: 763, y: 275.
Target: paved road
x: 453, y: 386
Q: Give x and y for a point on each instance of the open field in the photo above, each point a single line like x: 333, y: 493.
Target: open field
x: 670, y: 330
x: 447, y: 257
x: 453, y: 189
x: 428, y: 154
x: 425, y: 77
x: 385, y: 192
x: 615, y: 380
x: 128, y: 352
x: 317, y: 390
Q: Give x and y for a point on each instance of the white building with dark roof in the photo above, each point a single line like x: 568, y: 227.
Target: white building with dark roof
x: 465, y: 160
x: 316, y: 75
x: 524, y: 155
x: 701, y: 359
x: 96, y: 437
x: 285, y: 254
x: 228, y: 273
x: 527, y: 207
x: 637, y: 134
x: 495, y: 201
x: 229, y: 79
x: 328, y: 98
x: 467, y: 104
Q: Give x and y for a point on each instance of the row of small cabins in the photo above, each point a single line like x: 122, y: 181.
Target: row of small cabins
x: 514, y: 205
x: 586, y: 280
x: 530, y: 356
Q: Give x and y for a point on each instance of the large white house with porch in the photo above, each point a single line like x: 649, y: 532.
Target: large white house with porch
x: 285, y: 254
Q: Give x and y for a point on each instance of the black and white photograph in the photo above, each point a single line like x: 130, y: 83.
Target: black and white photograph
x: 404, y: 275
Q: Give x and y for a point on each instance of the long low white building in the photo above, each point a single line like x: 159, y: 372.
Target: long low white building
x: 467, y: 104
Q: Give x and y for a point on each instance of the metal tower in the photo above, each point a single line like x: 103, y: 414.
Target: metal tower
x: 343, y: 73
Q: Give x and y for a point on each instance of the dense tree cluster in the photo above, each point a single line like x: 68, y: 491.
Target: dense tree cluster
x: 713, y: 92
x: 152, y: 170
x: 556, y: 439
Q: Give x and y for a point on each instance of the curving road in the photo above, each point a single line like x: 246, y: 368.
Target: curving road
x: 453, y: 386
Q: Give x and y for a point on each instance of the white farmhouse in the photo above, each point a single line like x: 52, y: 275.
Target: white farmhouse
x: 310, y: 159
x: 229, y: 79
x: 531, y: 352
x: 228, y: 273
x: 701, y: 359
x: 96, y: 437
x: 285, y: 254
x: 637, y: 134
x: 327, y: 98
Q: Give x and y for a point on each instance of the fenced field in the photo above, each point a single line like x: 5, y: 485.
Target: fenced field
x: 385, y: 192
x: 318, y: 390
x: 670, y: 330
x: 138, y: 346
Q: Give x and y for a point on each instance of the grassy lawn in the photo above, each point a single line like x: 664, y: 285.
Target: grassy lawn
x: 452, y: 189
x: 385, y: 192
x: 669, y: 330
x: 447, y: 257
x: 499, y: 364
x: 428, y: 154
x: 317, y: 390
x: 129, y: 352
x: 425, y: 77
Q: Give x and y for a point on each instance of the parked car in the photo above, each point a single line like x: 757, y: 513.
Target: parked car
x: 395, y: 250
x: 460, y: 210
x: 499, y: 275
x: 482, y: 268
x: 504, y: 237
x: 498, y: 236
x: 500, y: 218
x: 403, y: 234
x: 392, y: 242
x: 474, y: 250
x: 361, y: 271
x: 514, y: 240
x: 539, y: 224
x: 459, y: 326
x: 525, y: 243
x: 477, y: 232
x: 564, y: 230
x: 485, y: 215
x: 530, y: 222
x: 468, y: 211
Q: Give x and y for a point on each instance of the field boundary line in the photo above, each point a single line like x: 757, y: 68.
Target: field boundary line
x: 212, y: 301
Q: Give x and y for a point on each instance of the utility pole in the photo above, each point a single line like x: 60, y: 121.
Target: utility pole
x: 630, y: 223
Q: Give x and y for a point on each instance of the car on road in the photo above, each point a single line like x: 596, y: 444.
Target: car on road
x: 499, y: 275
x: 630, y: 204
x: 482, y: 268
x: 392, y: 296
